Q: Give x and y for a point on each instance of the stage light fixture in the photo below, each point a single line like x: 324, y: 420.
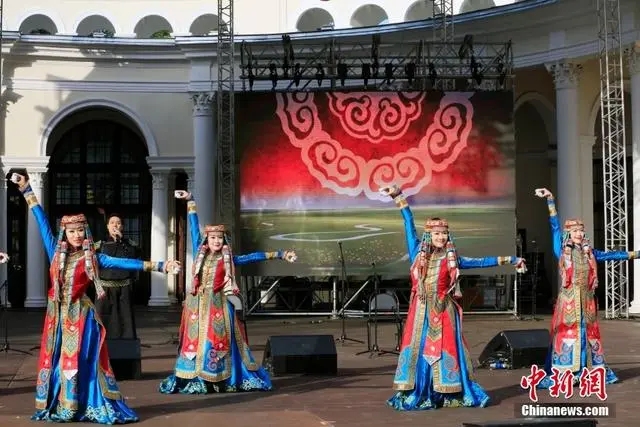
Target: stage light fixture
x: 410, y: 71
x: 319, y: 74
x: 466, y: 46
x: 475, y: 70
x: 288, y: 55
x: 273, y: 73
x: 366, y: 73
x: 432, y: 73
x: 502, y: 75
x: 342, y: 72
x: 388, y: 73
x: 297, y: 74
x: 252, y: 78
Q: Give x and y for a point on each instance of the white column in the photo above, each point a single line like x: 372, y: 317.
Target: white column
x: 565, y: 76
x: 159, y: 230
x: 205, y: 149
x: 634, y: 71
x: 586, y: 178
x: 36, y: 278
x: 4, y: 292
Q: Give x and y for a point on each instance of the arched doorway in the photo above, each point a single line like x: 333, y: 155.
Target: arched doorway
x: 98, y: 164
x: 533, y: 129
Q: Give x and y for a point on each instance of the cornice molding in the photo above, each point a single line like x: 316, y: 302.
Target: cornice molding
x: 95, y: 86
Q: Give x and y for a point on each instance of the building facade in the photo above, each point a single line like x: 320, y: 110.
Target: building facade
x: 108, y: 109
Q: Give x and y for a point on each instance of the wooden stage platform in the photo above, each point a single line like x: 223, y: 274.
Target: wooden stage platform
x: 354, y: 398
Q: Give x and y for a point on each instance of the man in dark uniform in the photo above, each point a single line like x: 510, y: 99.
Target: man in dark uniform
x: 116, y: 308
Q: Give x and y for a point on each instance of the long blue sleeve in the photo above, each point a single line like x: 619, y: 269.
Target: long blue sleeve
x: 41, y: 218
x: 410, y: 233
x: 486, y: 262
x: 194, y: 226
x: 256, y: 257
x: 130, y: 264
x: 556, y: 231
x: 603, y: 256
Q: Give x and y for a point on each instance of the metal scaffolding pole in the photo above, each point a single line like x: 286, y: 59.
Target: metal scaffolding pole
x: 443, y: 21
x: 614, y: 156
x: 226, y: 206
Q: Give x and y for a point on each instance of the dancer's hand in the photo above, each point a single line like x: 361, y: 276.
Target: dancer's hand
x: 289, y: 256
x: 521, y: 266
x: 4, y: 258
x: 172, y: 267
x: 391, y: 191
x: 20, y: 180
x: 543, y: 193
x: 182, y: 195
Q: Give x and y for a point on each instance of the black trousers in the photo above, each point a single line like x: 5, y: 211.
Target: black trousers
x: 116, y: 311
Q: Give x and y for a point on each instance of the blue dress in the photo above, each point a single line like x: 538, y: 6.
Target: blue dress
x: 75, y: 381
x: 434, y: 366
x: 214, y: 355
x: 575, y: 332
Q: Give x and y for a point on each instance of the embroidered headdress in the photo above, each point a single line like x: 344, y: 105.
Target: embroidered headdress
x: 436, y: 224
x: 566, y: 261
x: 573, y: 223
x: 203, y: 248
x: 433, y: 225
x: 62, y: 249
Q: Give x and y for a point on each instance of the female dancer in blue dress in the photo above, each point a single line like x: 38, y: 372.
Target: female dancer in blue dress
x: 434, y: 366
x: 75, y: 380
x: 214, y: 355
x: 575, y: 331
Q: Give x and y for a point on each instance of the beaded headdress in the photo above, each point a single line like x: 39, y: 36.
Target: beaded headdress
x: 432, y: 225
x: 62, y: 249
x: 203, y: 248
x: 67, y: 220
x: 214, y: 229
x: 572, y: 224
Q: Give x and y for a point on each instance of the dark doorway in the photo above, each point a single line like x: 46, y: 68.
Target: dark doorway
x: 98, y: 166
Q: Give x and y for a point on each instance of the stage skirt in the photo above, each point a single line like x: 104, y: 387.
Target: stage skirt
x: 423, y: 396
x: 240, y: 379
x: 564, y: 361
x: 93, y: 406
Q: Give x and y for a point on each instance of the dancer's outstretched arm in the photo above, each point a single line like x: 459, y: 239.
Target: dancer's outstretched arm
x: 289, y: 256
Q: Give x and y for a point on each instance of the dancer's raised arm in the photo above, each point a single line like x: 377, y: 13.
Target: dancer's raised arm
x: 554, y: 222
x: 192, y: 216
x: 38, y: 212
x: 410, y: 233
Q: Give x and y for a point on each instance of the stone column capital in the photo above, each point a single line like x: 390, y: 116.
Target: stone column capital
x: 565, y: 74
x: 633, y: 60
x: 202, y: 103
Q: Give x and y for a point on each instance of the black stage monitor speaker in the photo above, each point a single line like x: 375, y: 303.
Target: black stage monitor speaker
x: 301, y: 354
x: 533, y: 422
x: 520, y: 348
x: 125, y: 358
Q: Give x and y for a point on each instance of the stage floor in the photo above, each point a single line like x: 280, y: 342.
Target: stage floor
x: 354, y: 398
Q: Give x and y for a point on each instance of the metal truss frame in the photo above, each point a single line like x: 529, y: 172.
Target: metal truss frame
x: 226, y: 206
x: 614, y: 156
x: 419, y: 65
x: 443, y: 21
